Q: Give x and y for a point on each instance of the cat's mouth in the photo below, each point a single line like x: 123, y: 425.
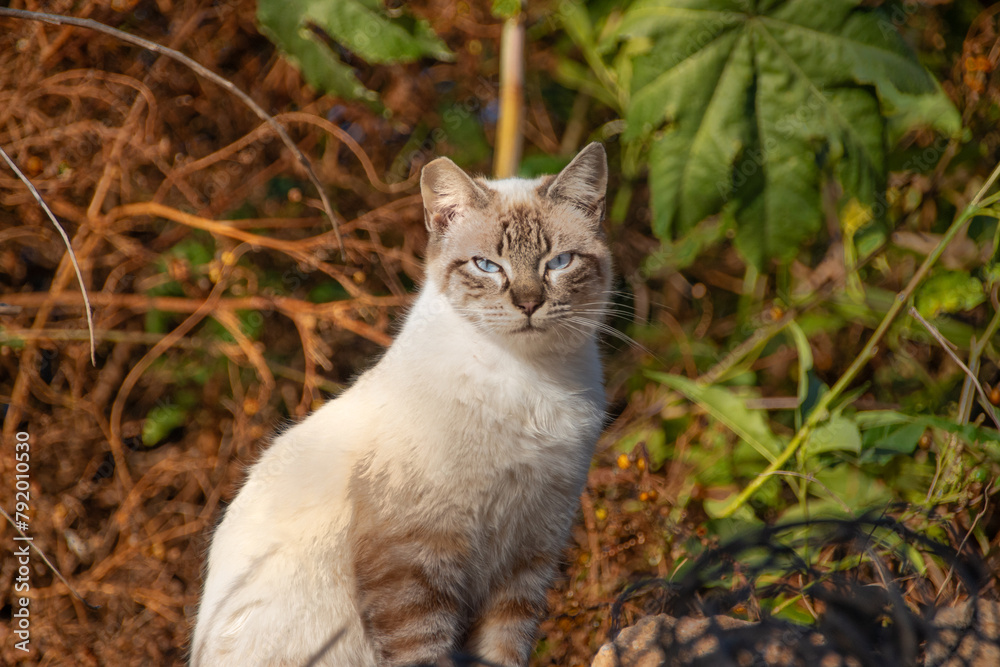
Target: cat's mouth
x: 527, y: 327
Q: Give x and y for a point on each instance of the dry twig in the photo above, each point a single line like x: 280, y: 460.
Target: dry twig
x: 69, y: 249
x: 946, y: 346
x: 45, y: 558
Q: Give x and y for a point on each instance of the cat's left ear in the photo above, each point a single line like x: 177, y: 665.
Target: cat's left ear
x: 583, y: 184
x: 447, y: 191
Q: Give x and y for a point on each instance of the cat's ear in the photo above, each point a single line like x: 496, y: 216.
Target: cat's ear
x: 446, y: 191
x: 583, y: 184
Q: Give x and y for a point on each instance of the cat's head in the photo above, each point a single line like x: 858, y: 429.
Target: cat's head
x: 525, y: 260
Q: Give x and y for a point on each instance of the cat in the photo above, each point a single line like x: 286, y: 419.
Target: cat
x: 422, y: 513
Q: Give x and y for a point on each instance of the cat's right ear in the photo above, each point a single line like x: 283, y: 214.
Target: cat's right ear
x: 447, y: 190
x: 583, y: 184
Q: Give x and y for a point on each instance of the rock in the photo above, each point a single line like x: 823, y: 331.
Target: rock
x: 649, y: 642
x: 967, y: 639
x: 960, y: 638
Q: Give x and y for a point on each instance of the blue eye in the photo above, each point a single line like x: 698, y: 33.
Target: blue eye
x: 560, y: 261
x: 486, y: 265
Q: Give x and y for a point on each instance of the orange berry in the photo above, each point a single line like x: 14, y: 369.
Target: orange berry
x: 34, y: 165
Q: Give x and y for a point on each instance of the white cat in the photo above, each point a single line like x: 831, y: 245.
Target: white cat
x: 423, y: 511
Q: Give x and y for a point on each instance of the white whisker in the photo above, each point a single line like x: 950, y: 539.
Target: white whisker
x: 610, y: 331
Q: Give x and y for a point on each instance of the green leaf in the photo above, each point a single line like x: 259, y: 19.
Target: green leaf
x: 837, y: 434
x: 870, y: 419
x: 905, y: 111
x: 576, y: 22
x: 465, y: 142
x: 197, y: 251
x: 161, y: 420
x: 761, y: 104
x: 691, y: 162
x: 539, y: 164
x: 682, y: 253
x: 795, y: 615
x: 506, y: 9
x: 949, y: 292
x: 327, y: 292
x: 574, y: 75
x: 750, y: 425
x: 653, y: 439
x: 991, y: 273
x: 13, y: 341
x: 307, y: 31
x: 882, y: 443
x: 157, y: 321
x: 987, y: 438
x: 970, y: 433
x: 849, y: 485
x: 805, y: 360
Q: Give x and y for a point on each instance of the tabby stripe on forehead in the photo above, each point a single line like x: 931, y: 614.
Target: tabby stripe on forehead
x: 523, y: 231
x: 545, y: 242
x: 541, y: 238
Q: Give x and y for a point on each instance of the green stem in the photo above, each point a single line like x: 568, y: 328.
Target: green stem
x: 605, y: 75
x: 577, y: 25
x: 746, y: 300
x: 620, y: 204
x: 819, y: 413
x: 975, y: 353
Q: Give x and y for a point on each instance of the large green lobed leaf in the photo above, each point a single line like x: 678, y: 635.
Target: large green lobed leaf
x: 758, y: 102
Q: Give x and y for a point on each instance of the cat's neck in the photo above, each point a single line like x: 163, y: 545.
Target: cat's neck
x: 434, y: 330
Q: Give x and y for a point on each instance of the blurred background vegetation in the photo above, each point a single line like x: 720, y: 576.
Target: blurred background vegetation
x: 800, y: 213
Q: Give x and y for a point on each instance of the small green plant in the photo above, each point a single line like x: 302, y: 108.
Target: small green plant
x: 837, y: 457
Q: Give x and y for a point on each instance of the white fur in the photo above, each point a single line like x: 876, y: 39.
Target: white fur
x: 447, y: 402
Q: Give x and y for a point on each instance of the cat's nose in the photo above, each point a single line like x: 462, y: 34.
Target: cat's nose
x: 528, y: 307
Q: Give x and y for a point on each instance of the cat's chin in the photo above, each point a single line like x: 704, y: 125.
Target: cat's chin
x: 545, y: 338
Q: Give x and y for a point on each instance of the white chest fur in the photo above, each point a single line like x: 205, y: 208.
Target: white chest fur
x: 481, y: 404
